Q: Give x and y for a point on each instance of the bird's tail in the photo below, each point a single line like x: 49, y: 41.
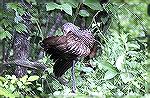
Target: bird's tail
x: 61, y: 66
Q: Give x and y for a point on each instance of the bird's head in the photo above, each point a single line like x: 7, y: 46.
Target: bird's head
x: 69, y: 27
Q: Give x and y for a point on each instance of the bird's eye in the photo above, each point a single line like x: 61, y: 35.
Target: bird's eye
x: 64, y: 32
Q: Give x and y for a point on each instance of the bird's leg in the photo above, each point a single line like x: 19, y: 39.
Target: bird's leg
x: 73, y: 77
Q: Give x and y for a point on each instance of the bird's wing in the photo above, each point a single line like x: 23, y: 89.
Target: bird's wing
x: 79, y: 46
x: 53, y: 41
x: 56, y: 47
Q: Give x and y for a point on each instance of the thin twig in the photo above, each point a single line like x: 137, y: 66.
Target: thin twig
x: 77, y: 12
x: 46, y: 28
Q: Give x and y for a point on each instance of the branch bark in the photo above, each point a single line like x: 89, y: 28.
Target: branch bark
x: 21, y: 50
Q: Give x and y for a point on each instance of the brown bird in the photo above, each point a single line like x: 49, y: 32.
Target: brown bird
x: 65, y: 49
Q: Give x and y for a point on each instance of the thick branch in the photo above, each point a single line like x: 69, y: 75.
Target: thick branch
x: 27, y: 64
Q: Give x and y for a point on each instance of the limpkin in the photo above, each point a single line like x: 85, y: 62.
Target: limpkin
x: 65, y: 49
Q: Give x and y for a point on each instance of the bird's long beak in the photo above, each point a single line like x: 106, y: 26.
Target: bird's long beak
x: 67, y: 30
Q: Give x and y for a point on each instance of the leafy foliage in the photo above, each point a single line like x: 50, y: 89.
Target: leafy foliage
x: 122, y: 69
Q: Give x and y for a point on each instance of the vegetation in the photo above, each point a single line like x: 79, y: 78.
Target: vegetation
x: 122, y: 28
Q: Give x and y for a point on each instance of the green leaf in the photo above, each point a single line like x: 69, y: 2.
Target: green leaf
x: 33, y: 78
x: 4, y: 34
x: 110, y: 74
x: 56, y: 87
x: 19, y: 83
x: 24, y: 79
x: 86, y: 69
x: 104, y: 20
x: 27, y: 83
x: 21, y: 11
x: 67, y: 8
x: 16, y: 7
x: 6, y: 93
x: 106, y: 65
x: 73, y: 3
x: 1, y: 83
x: 5, y: 23
x: 132, y: 53
x: 12, y: 87
x: 2, y: 79
x: 13, y: 81
x: 40, y: 89
x: 13, y: 6
x: 111, y: 70
x: 133, y: 45
x: 58, y: 32
x: 136, y: 83
x: 120, y: 61
x: 56, y: 93
x: 29, y: 1
x: 126, y: 77
x: 20, y: 27
x: 93, y: 4
x: 84, y: 13
x: 51, y: 6
x: 13, y: 77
